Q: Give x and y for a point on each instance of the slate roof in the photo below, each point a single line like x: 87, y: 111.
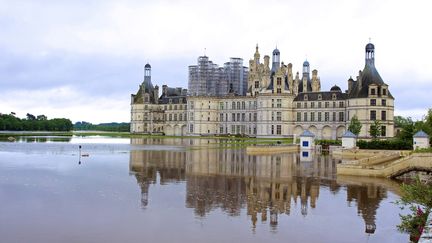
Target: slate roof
x: 349, y: 134
x: 325, y: 95
x: 307, y: 133
x: 368, y: 76
x: 421, y: 134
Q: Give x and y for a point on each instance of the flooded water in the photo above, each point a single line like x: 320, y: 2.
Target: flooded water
x: 184, y: 190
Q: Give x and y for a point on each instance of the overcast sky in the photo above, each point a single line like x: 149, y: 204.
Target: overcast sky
x: 83, y: 59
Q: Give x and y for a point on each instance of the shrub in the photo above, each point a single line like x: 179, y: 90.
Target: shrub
x: 395, y: 144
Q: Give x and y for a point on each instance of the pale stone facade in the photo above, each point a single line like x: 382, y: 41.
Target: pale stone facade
x: 277, y: 104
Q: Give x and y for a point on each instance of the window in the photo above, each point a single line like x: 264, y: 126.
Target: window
x: 319, y: 104
x: 299, y: 105
x: 373, y: 102
x: 319, y: 116
x: 373, y: 115
x: 180, y: 117
x: 279, y: 90
x: 383, y: 131
x: 383, y: 102
x: 341, y: 116
x: 334, y: 104
x: 233, y: 117
x: 383, y: 115
x: 272, y: 103
x: 279, y: 116
x: 221, y: 117
x: 327, y: 104
x: 305, y: 105
x: 384, y: 92
x: 238, y: 105
x: 305, y: 116
x: 278, y: 129
x: 305, y: 97
x: 279, y: 81
x: 341, y: 104
x: 256, y: 84
x: 272, y: 116
x: 243, y: 116
x: 243, y: 105
x: 298, y: 116
x: 319, y: 97
x: 326, y: 116
x: 170, y: 117
x: 233, y: 105
x: 279, y: 103
x: 191, y: 128
x: 238, y: 116
x: 175, y: 107
x: 175, y: 117
x: 221, y: 129
x: 250, y: 116
x: 221, y: 105
x: 208, y: 118
x: 333, y: 96
x: 255, y: 117
x: 312, y: 116
x: 373, y: 92
x: 334, y: 116
x: 191, y: 105
x: 312, y: 104
x: 272, y: 129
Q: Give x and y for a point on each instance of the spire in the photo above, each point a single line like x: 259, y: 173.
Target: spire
x: 256, y: 55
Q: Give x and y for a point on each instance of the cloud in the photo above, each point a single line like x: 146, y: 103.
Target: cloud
x: 98, y: 48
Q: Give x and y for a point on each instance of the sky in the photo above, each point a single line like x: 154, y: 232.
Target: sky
x: 83, y: 59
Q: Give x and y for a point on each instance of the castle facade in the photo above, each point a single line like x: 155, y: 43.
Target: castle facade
x: 277, y: 104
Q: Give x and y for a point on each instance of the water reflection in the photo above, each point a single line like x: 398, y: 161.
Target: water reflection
x: 267, y: 186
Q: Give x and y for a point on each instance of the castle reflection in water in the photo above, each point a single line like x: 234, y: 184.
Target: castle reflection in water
x: 229, y: 179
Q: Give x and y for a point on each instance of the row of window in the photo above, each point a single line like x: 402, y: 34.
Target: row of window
x: 373, y: 102
x: 326, y: 104
x: 306, y: 97
x: 373, y: 115
x: 317, y: 116
x: 174, y: 107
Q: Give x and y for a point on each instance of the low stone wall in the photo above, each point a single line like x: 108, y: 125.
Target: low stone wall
x: 267, y: 149
x: 416, y: 161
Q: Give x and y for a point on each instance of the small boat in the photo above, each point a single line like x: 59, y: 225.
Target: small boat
x: 85, y: 155
x: 12, y: 139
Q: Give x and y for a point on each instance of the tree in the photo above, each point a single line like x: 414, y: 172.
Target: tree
x: 30, y: 117
x: 417, y: 197
x: 375, y: 129
x: 42, y: 118
x: 355, y: 125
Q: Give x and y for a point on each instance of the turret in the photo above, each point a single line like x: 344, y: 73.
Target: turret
x: 256, y: 55
x: 276, y: 60
x: 370, y: 54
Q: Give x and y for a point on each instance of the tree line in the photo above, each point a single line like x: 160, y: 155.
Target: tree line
x: 10, y: 122
x: 109, y: 127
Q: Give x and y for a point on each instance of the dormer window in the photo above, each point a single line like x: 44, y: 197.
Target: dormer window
x: 384, y: 91
x: 373, y: 92
x: 319, y: 97
x: 170, y: 101
x: 333, y: 96
x: 305, y: 97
